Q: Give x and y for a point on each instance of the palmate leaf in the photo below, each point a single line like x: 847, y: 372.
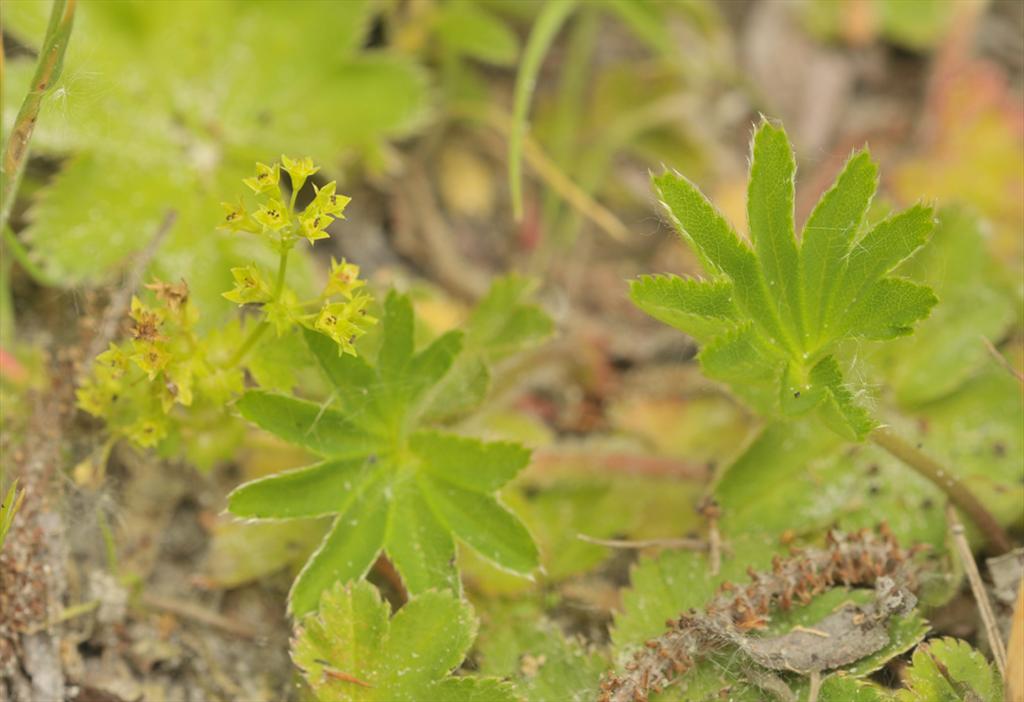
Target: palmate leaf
x: 350, y: 651
x: 947, y: 670
x: 392, y: 483
x: 197, y: 112
x: 702, y: 309
x: 773, y: 314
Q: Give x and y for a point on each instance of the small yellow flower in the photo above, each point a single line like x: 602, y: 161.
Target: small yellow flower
x: 272, y: 215
x: 266, y: 178
x: 328, y: 202
x: 146, y: 432
x: 345, y: 322
x: 344, y: 279
x: 115, y: 359
x: 236, y: 218
x: 299, y: 169
x: 151, y: 357
x: 314, y: 224
x: 249, y: 287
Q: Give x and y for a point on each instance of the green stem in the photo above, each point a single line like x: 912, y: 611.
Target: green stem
x: 21, y: 255
x: 282, y: 267
x: 247, y: 345
x: 550, y: 19
x: 959, y: 494
x: 51, y: 59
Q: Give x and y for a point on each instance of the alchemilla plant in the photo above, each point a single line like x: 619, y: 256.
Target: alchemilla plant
x: 776, y: 316
x: 430, y: 499
x: 136, y: 385
x: 774, y: 313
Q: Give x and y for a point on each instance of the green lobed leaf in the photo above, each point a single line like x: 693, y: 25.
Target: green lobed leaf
x: 459, y: 460
x: 718, y: 246
x: 890, y: 308
x: 394, y: 483
x: 699, y: 308
x: 770, y: 197
x: 350, y: 651
x: 316, y: 428
x: 347, y: 552
x: 483, y: 524
x: 828, y: 234
x: 313, y: 491
x: 883, y: 248
x: 841, y: 411
x: 794, y: 303
x: 948, y: 670
x: 419, y: 545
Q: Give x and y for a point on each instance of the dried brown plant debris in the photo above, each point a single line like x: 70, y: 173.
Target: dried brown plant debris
x: 863, y: 558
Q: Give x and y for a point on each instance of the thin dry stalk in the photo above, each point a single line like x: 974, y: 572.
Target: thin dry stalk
x: 188, y: 610
x: 1001, y: 360
x: 685, y: 544
x: 1015, y: 652
x: 956, y: 530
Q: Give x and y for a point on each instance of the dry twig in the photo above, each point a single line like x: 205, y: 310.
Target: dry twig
x: 963, y: 549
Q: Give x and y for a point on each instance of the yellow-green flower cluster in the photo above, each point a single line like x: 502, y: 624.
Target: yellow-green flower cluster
x: 140, y: 385
x: 348, y: 320
x: 275, y: 214
x: 134, y: 385
x: 343, y: 304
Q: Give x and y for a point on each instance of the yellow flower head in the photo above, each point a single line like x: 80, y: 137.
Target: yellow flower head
x: 314, y: 224
x: 236, y: 218
x: 299, y: 169
x: 249, y: 286
x: 265, y: 180
x: 272, y: 215
x: 345, y: 322
x: 344, y: 279
x: 329, y: 202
